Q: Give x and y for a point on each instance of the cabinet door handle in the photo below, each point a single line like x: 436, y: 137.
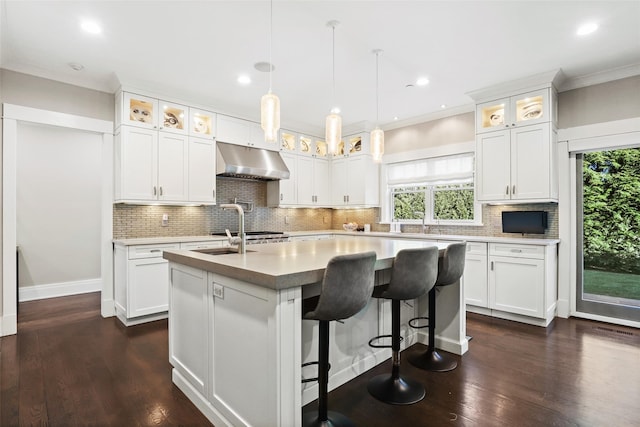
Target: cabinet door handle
x: 513, y: 190
x: 213, y: 193
x: 491, y: 265
x: 155, y: 192
x: 161, y: 190
x: 507, y: 191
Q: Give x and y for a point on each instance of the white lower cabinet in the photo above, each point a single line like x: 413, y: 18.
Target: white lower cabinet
x: 141, y: 283
x: 512, y: 281
x: 475, y: 278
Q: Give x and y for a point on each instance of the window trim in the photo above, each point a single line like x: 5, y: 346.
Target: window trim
x: 386, y: 205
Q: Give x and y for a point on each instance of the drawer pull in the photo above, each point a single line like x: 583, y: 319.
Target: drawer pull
x: 491, y: 265
x: 516, y: 250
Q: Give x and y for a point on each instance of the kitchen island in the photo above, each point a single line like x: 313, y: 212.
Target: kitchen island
x: 236, y: 336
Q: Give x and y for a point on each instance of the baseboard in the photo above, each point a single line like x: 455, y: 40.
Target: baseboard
x: 563, y: 308
x: 446, y: 344
x: 107, y: 308
x: 8, y: 325
x: 54, y: 290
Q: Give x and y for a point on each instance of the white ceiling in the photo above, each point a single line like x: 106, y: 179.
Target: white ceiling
x: 194, y: 50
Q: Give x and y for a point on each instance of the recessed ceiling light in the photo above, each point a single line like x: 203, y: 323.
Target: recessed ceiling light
x: 91, y: 27
x: 587, y: 28
x: 422, y: 81
x: 395, y: 118
x: 244, y: 79
x: 264, y: 67
x: 443, y: 106
x: 76, y: 66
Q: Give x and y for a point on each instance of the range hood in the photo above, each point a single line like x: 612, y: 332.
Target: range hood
x: 239, y: 161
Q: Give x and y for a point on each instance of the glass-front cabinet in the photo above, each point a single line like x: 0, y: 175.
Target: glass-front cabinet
x: 353, y: 145
x: 140, y: 111
x: 175, y: 117
x: 524, y: 109
x: 202, y: 123
x: 287, y: 141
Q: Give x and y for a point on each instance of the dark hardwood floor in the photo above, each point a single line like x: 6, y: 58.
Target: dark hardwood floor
x: 69, y: 366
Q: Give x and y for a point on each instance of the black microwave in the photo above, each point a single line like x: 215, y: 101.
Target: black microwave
x: 530, y: 222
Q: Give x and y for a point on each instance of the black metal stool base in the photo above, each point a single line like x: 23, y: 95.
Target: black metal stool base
x: 396, y: 391
x: 433, y: 361
x: 335, y: 419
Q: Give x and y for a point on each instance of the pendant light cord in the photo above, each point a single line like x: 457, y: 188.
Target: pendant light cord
x: 377, y: 91
x: 270, y: 43
x: 333, y: 59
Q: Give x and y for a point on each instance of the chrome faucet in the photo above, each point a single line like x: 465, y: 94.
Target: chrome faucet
x: 242, y: 238
x: 424, y: 217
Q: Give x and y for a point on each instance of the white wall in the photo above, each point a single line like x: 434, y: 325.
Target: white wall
x: 58, y: 205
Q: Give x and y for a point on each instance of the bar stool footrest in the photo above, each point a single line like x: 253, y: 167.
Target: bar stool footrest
x: 379, y: 337
x: 309, y: 380
x: 412, y: 322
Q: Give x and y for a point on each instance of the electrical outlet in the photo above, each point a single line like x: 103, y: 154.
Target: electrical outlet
x: 165, y: 220
x: 218, y: 291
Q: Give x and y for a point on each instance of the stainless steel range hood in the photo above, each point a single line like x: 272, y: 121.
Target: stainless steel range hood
x: 246, y: 162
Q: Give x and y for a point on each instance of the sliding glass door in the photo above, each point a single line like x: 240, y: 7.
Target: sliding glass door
x: 608, y: 208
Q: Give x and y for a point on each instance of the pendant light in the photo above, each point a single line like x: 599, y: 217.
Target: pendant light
x: 333, y: 130
x: 377, y: 135
x: 270, y: 103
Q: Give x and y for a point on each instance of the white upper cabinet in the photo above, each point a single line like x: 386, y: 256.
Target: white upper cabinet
x: 520, y: 110
x: 353, y: 145
x: 516, y: 155
x: 202, y: 123
x: 173, y: 118
x: 242, y: 132
x: 137, y: 110
x: 355, y: 182
x: 202, y: 170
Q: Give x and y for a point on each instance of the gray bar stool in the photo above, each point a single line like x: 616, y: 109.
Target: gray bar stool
x: 413, y: 274
x: 450, y: 269
x: 346, y: 289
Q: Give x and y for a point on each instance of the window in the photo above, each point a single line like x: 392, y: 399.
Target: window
x: 439, y: 188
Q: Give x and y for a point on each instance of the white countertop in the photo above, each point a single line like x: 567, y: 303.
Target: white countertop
x: 285, y: 265
x: 431, y: 237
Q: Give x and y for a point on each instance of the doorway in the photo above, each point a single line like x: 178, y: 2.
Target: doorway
x: 608, y: 234
x: 13, y: 115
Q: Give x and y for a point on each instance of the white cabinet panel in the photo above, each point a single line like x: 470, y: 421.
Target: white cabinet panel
x: 517, y: 285
x: 188, y: 325
x: 531, y: 162
x: 172, y: 167
x: 148, y: 291
x: 138, y: 167
x: 355, y: 181
x: 493, y: 159
x: 202, y: 170
x: 475, y: 280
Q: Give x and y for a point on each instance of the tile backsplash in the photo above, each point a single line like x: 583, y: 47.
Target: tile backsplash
x: 132, y: 221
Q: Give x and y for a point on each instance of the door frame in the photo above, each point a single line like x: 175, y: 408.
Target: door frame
x: 600, y: 136
x: 12, y: 115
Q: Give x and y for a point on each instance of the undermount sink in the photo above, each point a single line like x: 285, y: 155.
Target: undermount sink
x: 219, y: 251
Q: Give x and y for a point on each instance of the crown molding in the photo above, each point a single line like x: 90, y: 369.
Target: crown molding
x: 600, y: 77
x: 436, y: 115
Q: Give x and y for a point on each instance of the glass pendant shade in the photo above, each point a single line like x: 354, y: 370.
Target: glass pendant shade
x: 333, y: 132
x: 270, y: 116
x: 377, y: 144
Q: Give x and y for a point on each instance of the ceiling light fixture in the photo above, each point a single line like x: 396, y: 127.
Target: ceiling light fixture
x: 91, y: 27
x: 270, y: 103
x: 587, y: 28
x: 243, y: 79
x: 377, y: 135
x: 333, y: 129
x: 76, y: 66
x: 422, y: 81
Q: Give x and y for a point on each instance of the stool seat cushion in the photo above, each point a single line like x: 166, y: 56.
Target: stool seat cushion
x: 346, y: 287
x: 451, y: 264
x: 413, y: 273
